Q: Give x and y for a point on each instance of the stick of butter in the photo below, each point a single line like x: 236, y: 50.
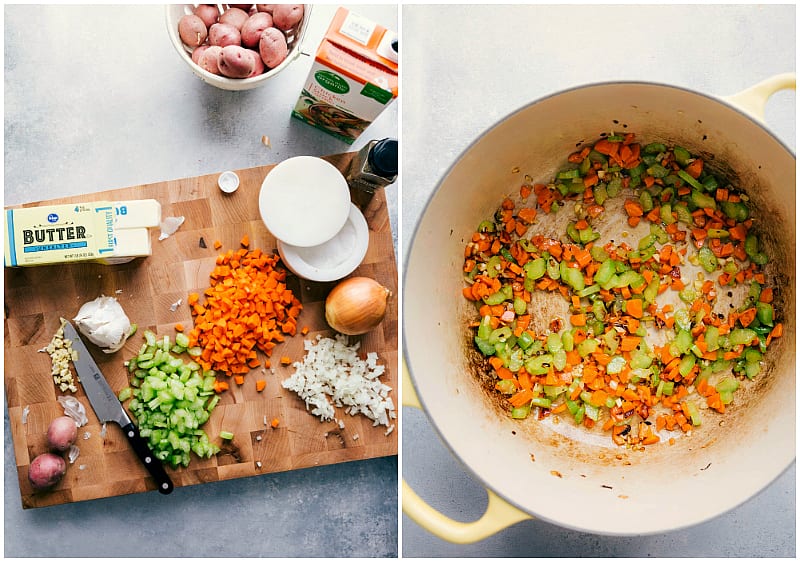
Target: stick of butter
x: 109, y: 232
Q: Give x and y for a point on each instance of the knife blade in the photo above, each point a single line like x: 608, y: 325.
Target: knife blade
x: 108, y: 408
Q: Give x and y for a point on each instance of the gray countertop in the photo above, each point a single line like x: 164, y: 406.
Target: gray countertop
x: 96, y: 98
x: 464, y: 68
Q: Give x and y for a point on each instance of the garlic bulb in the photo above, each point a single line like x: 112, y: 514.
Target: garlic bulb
x: 356, y: 305
x: 105, y: 323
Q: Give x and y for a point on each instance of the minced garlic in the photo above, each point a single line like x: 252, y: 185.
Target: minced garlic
x: 61, y: 353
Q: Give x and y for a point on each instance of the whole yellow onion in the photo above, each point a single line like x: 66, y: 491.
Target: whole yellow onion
x: 356, y: 305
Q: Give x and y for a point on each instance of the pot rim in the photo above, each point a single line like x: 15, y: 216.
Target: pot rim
x: 407, y: 357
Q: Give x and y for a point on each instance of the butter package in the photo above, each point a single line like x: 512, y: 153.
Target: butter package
x: 103, y: 231
x: 353, y: 78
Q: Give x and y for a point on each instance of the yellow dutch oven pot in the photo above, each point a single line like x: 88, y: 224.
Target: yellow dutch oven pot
x: 575, y: 478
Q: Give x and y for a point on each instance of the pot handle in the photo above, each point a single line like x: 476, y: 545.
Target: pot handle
x: 753, y: 99
x: 499, y: 514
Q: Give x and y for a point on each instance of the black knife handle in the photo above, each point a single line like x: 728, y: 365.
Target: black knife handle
x: 151, y: 463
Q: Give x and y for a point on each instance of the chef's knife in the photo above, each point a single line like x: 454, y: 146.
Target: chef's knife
x: 108, y: 408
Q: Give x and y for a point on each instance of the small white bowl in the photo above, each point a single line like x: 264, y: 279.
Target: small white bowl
x: 332, y: 260
x: 228, y: 182
x: 304, y: 201
x: 294, y: 40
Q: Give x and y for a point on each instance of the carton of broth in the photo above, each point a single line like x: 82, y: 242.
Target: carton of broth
x: 353, y: 77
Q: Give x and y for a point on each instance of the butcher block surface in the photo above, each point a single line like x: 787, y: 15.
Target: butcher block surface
x: 148, y: 288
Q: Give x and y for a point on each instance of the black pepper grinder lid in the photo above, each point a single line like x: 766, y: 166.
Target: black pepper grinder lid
x: 383, y: 158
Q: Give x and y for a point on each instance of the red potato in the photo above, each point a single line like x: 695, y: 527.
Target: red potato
x: 286, y: 16
x: 254, y: 27
x: 235, y: 62
x: 223, y: 34
x: 245, y: 7
x: 234, y: 16
x: 192, y: 30
x: 272, y: 47
x: 46, y: 471
x: 258, y: 64
x: 198, y: 52
x: 62, y: 433
x: 268, y: 8
x: 208, y: 13
x: 209, y: 61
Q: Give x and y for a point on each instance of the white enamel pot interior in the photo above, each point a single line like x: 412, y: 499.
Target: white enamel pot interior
x: 570, y: 477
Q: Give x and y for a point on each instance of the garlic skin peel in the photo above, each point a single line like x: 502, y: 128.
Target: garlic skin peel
x: 105, y: 323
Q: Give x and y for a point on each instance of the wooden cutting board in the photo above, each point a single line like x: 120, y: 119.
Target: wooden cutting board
x: 35, y: 299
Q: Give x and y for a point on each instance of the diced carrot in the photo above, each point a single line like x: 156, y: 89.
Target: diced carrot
x: 528, y: 215
x: 633, y: 208
x: 578, y: 319
x: 634, y: 307
x: 747, y: 317
x: 629, y: 343
x: 521, y: 397
x: 695, y: 168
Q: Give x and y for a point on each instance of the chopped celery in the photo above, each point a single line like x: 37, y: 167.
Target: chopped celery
x: 521, y: 412
x: 605, y: 272
x: 694, y: 413
x: 572, y: 277
x: 666, y: 214
x: 485, y: 327
x: 554, y: 342
x: 166, y: 402
x: 727, y: 384
x: 568, y: 340
x: 707, y: 259
x: 541, y: 402
x: 227, y: 435
x: 654, y: 148
x: 495, y: 298
x: 682, y: 156
x: 182, y: 340
x: 737, y: 211
x: 741, y: 336
x: 683, y: 214
x: 646, y: 201
x: 686, y: 365
x: 539, y: 365
x: 700, y: 199
x: 506, y: 386
x: 616, y: 365
x: 559, y: 359
x: 553, y: 269
x: 500, y: 335
x: 535, y: 269
x: 598, y: 253
x: 614, y: 187
x: 590, y: 290
x: 525, y: 340
x: 553, y: 392
x: 765, y: 313
x: 588, y: 346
